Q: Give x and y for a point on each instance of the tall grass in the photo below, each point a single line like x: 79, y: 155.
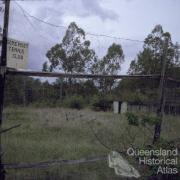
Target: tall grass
x: 59, y: 133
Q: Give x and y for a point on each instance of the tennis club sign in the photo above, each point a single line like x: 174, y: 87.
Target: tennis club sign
x: 17, y: 54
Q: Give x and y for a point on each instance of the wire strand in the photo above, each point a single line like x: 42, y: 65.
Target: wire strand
x: 30, y: 23
x: 88, y: 33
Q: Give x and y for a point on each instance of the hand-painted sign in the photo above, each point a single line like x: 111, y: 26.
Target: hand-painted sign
x: 17, y: 54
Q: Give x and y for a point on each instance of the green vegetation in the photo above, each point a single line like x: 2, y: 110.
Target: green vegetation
x: 132, y: 119
x: 144, y: 119
x: 64, y: 130
x: 101, y: 103
x: 157, y: 46
x: 74, y: 55
x: 74, y: 102
x: 58, y: 133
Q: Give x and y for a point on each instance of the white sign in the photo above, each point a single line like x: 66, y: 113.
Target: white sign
x: 17, y: 54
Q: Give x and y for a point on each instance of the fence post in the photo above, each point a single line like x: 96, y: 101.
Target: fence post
x: 161, y: 105
x: 3, y: 62
x: 61, y: 89
x: 24, y: 95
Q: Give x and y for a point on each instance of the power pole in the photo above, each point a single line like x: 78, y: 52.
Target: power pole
x: 160, y: 110
x: 3, y: 62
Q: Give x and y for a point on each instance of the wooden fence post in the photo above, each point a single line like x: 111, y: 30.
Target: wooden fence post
x: 160, y: 109
x: 3, y: 62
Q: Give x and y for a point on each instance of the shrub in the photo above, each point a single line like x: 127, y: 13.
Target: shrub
x: 135, y: 119
x: 75, y: 102
x: 101, y: 104
x: 43, y: 103
x: 132, y: 119
x: 150, y: 120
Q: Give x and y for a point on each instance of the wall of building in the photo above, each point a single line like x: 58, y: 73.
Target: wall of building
x: 123, y: 107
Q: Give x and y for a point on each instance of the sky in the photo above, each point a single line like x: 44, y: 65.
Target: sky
x: 132, y: 19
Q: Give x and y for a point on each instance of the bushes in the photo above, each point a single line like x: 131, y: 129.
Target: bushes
x: 135, y: 119
x: 132, y: 119
x: 97, y: 103
x: 150, y: 120
x: 75, y: 102
x: 101, y: 103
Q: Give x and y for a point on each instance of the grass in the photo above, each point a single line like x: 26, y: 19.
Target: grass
x: 57, y: 133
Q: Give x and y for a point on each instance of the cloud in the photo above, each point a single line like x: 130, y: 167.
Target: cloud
x: 129, y: 0
x: 137, y: 18
x: 55, y: 10
x: 42, y: 37
x: 94, y: 7
x: 79, y: 8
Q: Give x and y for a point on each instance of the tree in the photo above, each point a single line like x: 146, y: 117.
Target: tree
x: 149, y: 61
x: 110, y: 64
x: 73, y: 55
x: 157, y: 46
x: 45, y: 67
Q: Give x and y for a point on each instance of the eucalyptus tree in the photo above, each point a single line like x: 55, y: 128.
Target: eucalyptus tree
x: 73, y: 54
x: 110, y: 64
x: 157, y: 46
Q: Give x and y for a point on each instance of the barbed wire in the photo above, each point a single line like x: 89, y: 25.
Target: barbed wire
x: 30, y: 23
x: 87, y: 33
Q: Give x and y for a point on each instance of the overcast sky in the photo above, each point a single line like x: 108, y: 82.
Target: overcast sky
x: 121, y: 18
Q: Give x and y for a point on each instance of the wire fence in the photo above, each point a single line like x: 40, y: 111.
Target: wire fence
x: 60, y: 122
x: 28, y: 91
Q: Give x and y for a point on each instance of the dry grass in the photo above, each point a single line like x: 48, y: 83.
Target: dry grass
x: 57, y: 133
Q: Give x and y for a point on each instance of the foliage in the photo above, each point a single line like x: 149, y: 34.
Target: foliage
x: 85, y: 88
x: 73, y: 54
x: 100, y: 103
x: 166, y: 145
x: 157, y: 46
x: 74, y: 102
x: 137, y: 90
x: 141, y: 119
x: 45, y: 129
x: 110, y: 64
x: 29, y: 91
x: 150, y: 120
x: 45, y: 67
x: 132, y: 119
x: 26, y: 90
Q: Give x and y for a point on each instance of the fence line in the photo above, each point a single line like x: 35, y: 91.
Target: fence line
x: 54, y: 162
x: 11, y: 71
